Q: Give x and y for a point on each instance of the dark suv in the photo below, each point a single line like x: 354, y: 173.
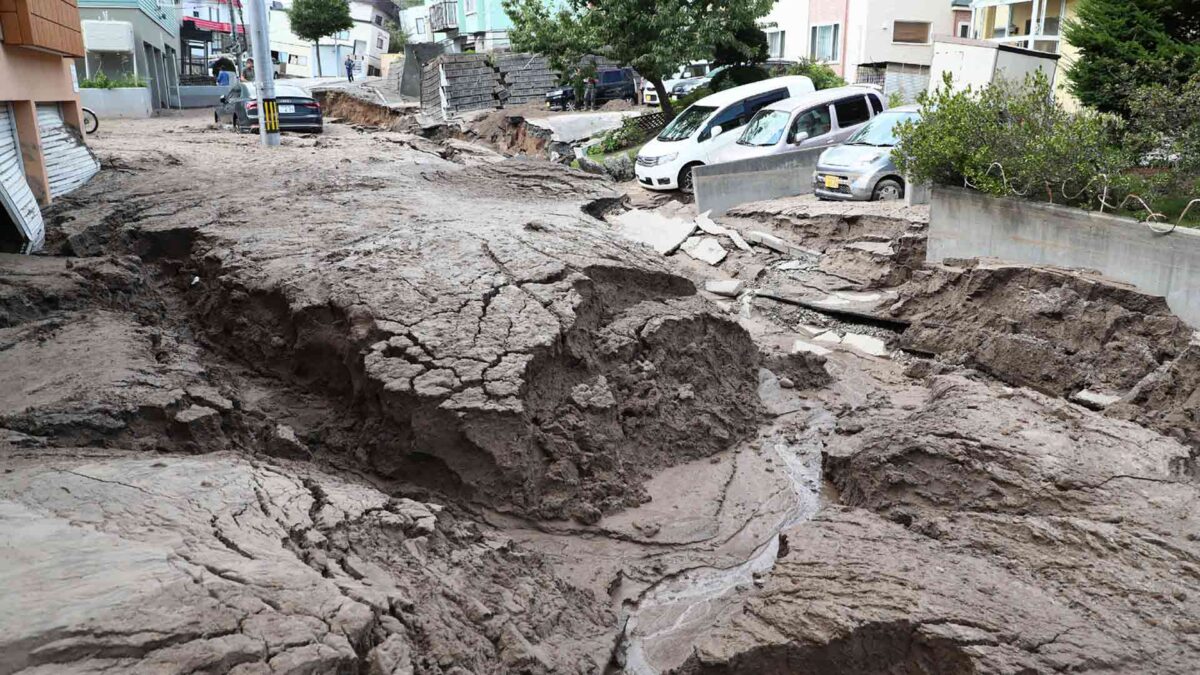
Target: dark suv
x: 611, y: 84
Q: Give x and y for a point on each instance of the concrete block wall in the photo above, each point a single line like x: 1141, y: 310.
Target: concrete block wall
x: 720, y: 187
x: 527, y: 77
x: 469, y: 82
x: 967, y: 224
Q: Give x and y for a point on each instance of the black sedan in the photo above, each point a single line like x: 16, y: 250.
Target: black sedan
x: 297, y: 110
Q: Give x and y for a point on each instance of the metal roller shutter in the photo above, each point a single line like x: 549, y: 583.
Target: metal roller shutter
x: 69, y: 162
x: 15, y: 196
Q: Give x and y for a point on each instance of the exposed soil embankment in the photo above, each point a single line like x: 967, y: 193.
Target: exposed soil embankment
x: 354, y: 110
x: 985, y: 531
x: 477, y: 328
x: 1062, y: 333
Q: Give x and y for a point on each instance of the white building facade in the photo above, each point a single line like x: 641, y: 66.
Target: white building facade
x: 363, y: 43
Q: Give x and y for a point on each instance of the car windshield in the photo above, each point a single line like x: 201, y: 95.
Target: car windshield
x: 687, y: 123
x: 880, y: 131
x: 766, y: 128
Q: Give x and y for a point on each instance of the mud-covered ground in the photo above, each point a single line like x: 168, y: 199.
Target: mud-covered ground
x: 373, y: 403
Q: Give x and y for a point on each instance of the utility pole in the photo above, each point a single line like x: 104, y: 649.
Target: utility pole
x: 264, y: 74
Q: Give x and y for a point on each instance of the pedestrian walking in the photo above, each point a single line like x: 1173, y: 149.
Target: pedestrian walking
x: 350, y: 68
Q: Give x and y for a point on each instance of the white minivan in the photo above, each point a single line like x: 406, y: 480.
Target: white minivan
x: 816, y: 120
x: 698, y: 133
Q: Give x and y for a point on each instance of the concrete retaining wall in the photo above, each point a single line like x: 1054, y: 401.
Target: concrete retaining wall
x: 720, y: 187
x: 965, y: 224
x: 129, y: 103
x: 201, y: 96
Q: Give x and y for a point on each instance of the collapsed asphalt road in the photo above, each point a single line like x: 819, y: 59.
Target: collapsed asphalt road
x: 370, y: 403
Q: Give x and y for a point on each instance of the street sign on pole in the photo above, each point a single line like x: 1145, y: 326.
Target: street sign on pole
x: 264, y: 74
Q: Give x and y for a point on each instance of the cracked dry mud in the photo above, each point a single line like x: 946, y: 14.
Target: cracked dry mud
x: 411, y: 408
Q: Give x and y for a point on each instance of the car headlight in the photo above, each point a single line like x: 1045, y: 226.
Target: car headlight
x: 666, y: 159
x: 869, y: 160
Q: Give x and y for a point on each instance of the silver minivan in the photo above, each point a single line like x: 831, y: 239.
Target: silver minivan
x: 817, y: 120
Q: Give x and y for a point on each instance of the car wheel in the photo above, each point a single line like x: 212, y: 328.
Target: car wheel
x: 888, y: 189
x: 687, y: 183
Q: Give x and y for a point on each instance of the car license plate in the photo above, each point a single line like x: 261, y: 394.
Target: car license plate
x: 287, y: 109
x: 832, y: 182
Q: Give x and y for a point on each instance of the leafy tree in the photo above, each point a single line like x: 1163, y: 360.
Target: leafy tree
x: 822, y: 76
x: 397, y: 37
x: 747, y: 46
x: 1012, y: 139
x: 654, y: 38
x: 315, y: 19
x: 1126, y: 44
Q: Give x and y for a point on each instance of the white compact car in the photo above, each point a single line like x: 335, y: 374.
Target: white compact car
x: 815, y: 120
x: 698, y: 133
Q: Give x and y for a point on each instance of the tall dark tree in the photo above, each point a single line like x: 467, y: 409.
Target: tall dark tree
x: 747, y: 46
x: 315, y: 19
x: 654, y: 38
x: 1124, y: 45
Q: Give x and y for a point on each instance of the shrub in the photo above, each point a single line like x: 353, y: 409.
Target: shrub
x: 822, y: 76
x: 102, y: 81
x: 1013, y: 139
x: 736, y: 76
x: 627, y: 136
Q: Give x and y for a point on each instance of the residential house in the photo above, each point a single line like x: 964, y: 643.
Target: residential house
x: 415, y: 22
x: 1031, y: 24
x: 155, y: 53
x: 883, y: 42
x: 364, y: 43
x: 962, y: 18
x: 470, y: 25
x: 42, y: 153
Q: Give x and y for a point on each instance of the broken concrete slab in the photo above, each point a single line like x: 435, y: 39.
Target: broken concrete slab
x: 800, y: 346
x: 728, y: 287
x: 706, y: 225
x: 778, y: 245
x: 866, y: 344
x: 1094, y: 399
x: 705, y: 249
x: 662, y: 233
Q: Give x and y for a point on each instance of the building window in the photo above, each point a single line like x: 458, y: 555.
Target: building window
x: 344, y: 35
x: 379, y: 43
x: 964, y: 29
x: 910, y: 32
x: 775, y: 44
x: 469, y: 6
x: 420, y: 26
x: 824, y: 45
x: 378, y: 20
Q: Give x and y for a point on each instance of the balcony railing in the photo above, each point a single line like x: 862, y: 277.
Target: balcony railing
x: 443, y: 16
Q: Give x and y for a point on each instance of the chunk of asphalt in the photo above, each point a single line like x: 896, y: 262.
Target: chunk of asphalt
x: 706, y: 225
x: 662, y: 233
x: 705, y: 249
x: 728, y: 287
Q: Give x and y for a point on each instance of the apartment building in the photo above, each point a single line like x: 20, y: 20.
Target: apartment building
x: 1030, y: 24
x: 42, y: 153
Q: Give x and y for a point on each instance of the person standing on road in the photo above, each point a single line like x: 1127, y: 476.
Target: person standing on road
x: 589, y: 93
x: 248, y: 71
x: 349, y: 68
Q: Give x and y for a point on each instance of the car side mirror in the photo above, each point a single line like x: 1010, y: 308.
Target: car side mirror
x: 799, y: 137
x: 223, y: 100
x: 715, y: 131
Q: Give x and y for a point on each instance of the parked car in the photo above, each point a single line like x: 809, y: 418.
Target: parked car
x: 612, y: 84
x: 703, y: 129
x: 696, y: 69
x: 684, y: 87
x: 815, y: 120
x: 297, y: 110
x: 862, y: 168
